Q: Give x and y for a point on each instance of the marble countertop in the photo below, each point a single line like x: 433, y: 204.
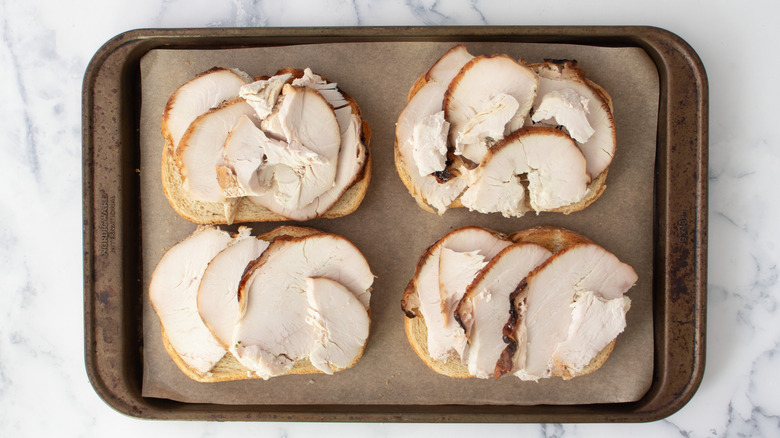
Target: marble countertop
x: 46, y: 46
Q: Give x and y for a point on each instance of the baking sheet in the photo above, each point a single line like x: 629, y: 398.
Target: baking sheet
x: 392, y: 231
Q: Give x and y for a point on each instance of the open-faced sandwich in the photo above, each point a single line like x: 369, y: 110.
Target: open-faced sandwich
x: 493, y: 134
x: 291, y: 301
x: 290, y: 146
x: 538, y: 303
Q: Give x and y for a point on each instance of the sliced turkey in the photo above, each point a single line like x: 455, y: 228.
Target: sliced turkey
x: 352, y: 162
x: 340, y: 324
x: 352, y: 159
x: 567, y: 80
x: 595, y: 322
x: 218, y: 291
x: 448, y: 66
x: 429, y: 142
x: 274, y: 329
x: 548, y: 304
x: 267, y: 173
x: 310, y: 156
x: 420, y: 132
x: 353, y: 154
x: 246, y: 169
x: 424, y: 104
x: 545, y: 160
x: 205, y: 91
x: 328, y: 90
x: 488, y: 125
x: 303, y: 128
x: 487, y: 99
x: 173, y: 293
x: 456, y: 272
x: 568, y: 109
x: 262, y: 94
x: 200, y: 150
x: 485, y: 309
x: 440, y: 282
x: 571, y: 308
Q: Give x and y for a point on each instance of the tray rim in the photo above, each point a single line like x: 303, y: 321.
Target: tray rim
x: 681, y: 240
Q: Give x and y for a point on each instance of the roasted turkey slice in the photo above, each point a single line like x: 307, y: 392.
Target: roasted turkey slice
x: 340, y: 324
x: 489, y: 98
x: 275, y: 329
x: 173, y: 293
x: 421, y: 130
x: 200, y: 150
x: 485, y: 309
x: 440, y: 282
x: 540, y: 168
x: 218, y: 291
x: 564, y: 87
x: 571, y: 308
x: 207, y: 90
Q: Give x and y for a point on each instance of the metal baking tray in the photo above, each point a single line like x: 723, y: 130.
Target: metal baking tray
x: 112, y: 224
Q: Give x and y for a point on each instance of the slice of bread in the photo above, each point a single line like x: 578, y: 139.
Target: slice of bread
x: 213, y: 213
x: 417, y: 333
x: 229, y: 368
x: 552, y: 238
x: 595, y: 188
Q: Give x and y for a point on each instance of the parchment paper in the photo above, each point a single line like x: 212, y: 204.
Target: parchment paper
x: 392, y: 231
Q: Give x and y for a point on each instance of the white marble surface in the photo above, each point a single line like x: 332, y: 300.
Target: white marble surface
x: 47, y: 44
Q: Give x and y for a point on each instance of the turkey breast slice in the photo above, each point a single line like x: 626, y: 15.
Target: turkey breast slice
x: 272, y: 332
x: 352, y: 155
x: 485, y: 309
x: 565, y: 78
x: 218, y: 291
x: 352, y: 160
x: 560, y: 299
x: 340, y: 324
x: 418, y: 133
x: 438, y: 285
x: 173, y: 293
x: 200, y: 150
x: 544, y: 159
x: 207, y: 90
x: 594, y: 324
x: 252, y: 160
x: 426, y: 103
x: 445, y: 69
x: 489, y: 98
x: 309, y: 124
x: 262, y: 94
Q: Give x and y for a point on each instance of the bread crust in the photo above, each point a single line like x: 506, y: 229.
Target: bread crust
x: 229, y: 368
x: 553, y: 239
x: 213, y: 213
x: 417, y: 333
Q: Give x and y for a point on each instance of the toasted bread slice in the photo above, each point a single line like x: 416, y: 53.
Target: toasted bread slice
x: 229, y: 368
x: 595, y: 188
x: 552, y: 238
x: 214, y: 213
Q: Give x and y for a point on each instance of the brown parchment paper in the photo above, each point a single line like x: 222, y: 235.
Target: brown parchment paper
x: 392, y: 231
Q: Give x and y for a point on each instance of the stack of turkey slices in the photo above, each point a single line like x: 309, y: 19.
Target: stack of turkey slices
x: 538, y: 303
x: 495, y: 135
x: 289, y: 146
x: 291, y: 301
